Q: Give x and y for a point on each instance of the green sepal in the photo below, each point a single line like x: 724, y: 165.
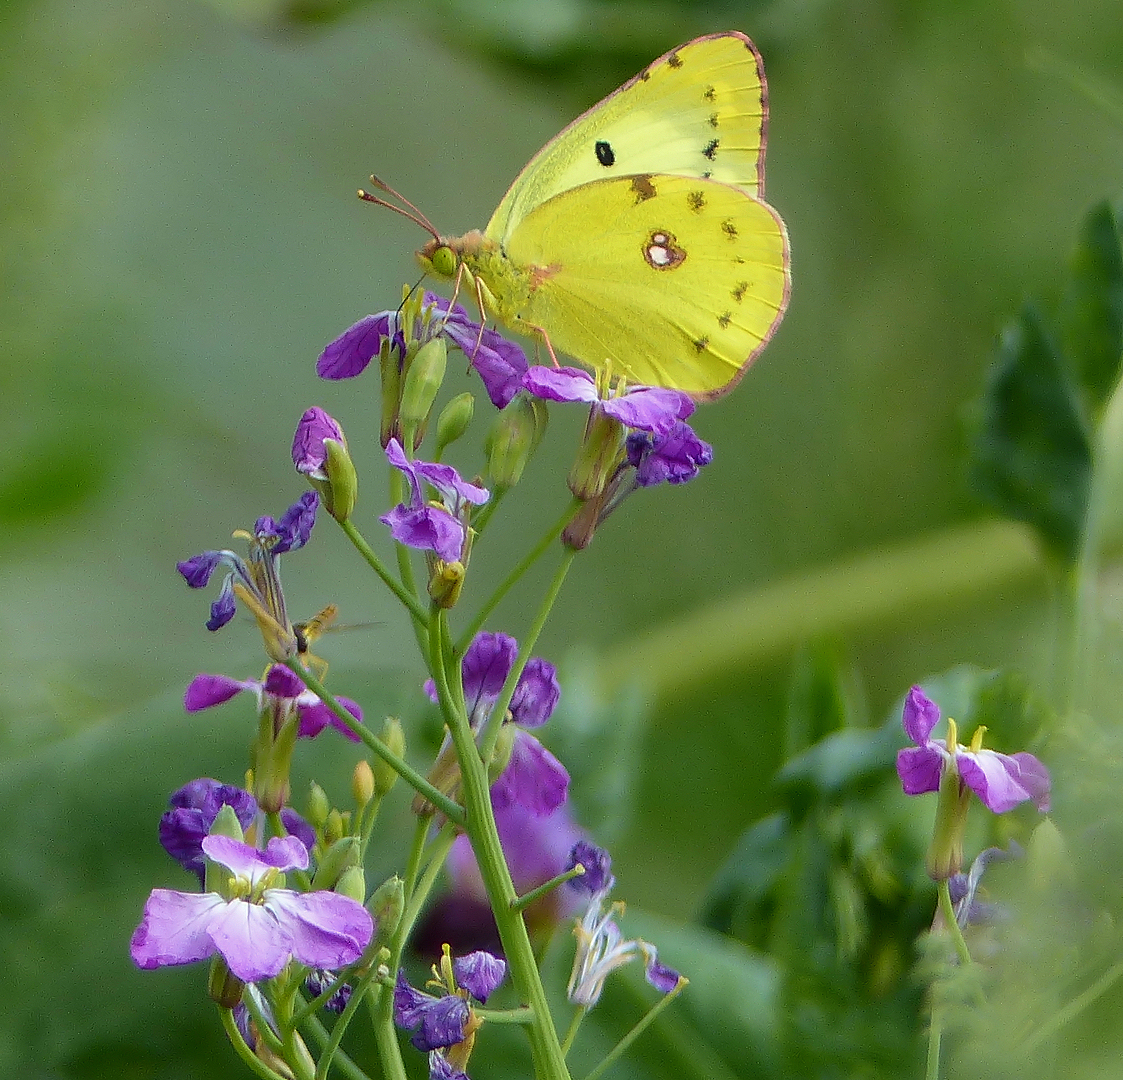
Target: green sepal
x: 342, y: 855
x: 453, y: 421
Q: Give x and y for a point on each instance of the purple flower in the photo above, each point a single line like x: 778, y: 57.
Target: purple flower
x: 318, y: 980
x: 601, y: 948
x: 1001, y: 781
x: 263, y: 928
x: 441, y: 529
x: 257, y: 583
x: 282, y: 692
x: 500, y: 363
x: 440, y: 1068
x: 673, y: 457
x: 598, y: 868
x: 194, y: 808
x: 533, y: 778
x: 308, y: 453
x: 647, y: 408
x: 439, y: 1022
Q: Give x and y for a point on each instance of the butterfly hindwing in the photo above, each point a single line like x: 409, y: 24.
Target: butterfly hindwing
x: 670, y: 280
x: 699, y: 111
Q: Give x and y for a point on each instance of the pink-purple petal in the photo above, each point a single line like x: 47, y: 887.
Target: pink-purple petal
x: 533, y: 779
x: 326, y: 929
x: 650, y: 408
x: 314, y: 718
x: 1034, y: 777
x: 350, y: 353
x: 993, y: 777
x: 560, y: 384
x: 281, y: 853
x: 920, y: 716
x: 174, y: 929
x: 205, y: 691
x: 919, y: 768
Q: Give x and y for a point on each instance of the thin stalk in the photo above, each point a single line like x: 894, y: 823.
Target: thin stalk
x: 638, y: 1029
x: 948, y: 912
x: 411, y: 776
x: 513, y: 577
x: 490, y: 733
x: 342, y: 1060
x: 256, y: 1065
x: 405, y: 595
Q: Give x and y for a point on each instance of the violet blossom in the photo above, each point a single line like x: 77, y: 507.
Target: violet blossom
x: 601, y: 947
x: 282, y: 692
x: 194, y: 808
x: 447, y: 1021
x: 1001, y: 781
x: 442, y: 528
x: 533, y: 778
x: 499, y: 362
x: 257, y: 583
x: 256, y: 926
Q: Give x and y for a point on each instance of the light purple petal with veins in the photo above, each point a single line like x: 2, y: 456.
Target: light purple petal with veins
x: 174, y: 929
x: 561, y: 384
x: 326, y: 929
x: 253, y: 944
x: 650, y: 408
x: 920, y: 768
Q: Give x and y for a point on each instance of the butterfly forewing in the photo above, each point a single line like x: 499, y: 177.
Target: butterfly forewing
x: 673, y: 281
x: 698, y: 111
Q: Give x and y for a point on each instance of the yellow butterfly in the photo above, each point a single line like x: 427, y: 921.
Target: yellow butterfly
x: 637, y: 240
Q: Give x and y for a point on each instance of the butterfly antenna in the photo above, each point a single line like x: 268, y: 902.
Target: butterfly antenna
x: 406, y: 209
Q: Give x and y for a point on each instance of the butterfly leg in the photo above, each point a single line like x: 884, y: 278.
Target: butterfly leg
x: 533, y: 329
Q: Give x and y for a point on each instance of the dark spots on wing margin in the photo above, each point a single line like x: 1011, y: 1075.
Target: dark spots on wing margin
x: 710, y: 149
x: 674, y: 60
x: 643, y: 188
x: 696, y: 200
x: 729, y: 228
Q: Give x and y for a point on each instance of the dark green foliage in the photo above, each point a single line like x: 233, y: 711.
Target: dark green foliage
x: 1034, y: 448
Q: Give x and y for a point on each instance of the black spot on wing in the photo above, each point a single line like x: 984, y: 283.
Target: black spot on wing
x: 710, y: 149
x: 724, y: 319
x: 729, y: 228
x: 674, y: 60
x: 605, y: 154
x: 709, y: 94
x: 701, y: 344
x: 696, y: 200
x: 713, y: 120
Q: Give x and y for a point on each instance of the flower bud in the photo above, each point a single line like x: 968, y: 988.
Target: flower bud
x: 513, y: 438
x: 386, y: 905
x: 453, y: 421
x: 334, y: 827
x: 223, y: 986
x: 446, y: 583
x: 422, y: 381
x: 342, y: 854
x: 226, y: 823
x: 318, y: 806
x: 319, y: 452
x: 599, y: 457
x: 502, y: 755
x: 945, y: 853
x: 342, y: 488
x: 362, y: 783
x: 390, y: 365
x: 353, y: 883
x: 384, y: 776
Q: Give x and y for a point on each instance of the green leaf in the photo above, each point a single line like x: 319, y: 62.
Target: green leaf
x: 1032, y: 456
x: 1092, y: 310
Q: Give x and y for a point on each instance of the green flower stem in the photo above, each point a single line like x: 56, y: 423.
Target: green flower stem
x: 255, y: 1064
x: 341, y: 1060
x: 335, y: 1037
x: 487, y: 512
x: 638, y: 1030
x: 490, y: 733
x: 521, y: 903
x: 296, y: 1060
x: 513, y: 577
x: 447, y: 806
x: 935, y: 1034
x: 574, y: 1027
x: 480, y: 826
x: 948, y: 912
x: 405, y: 594
x: 505, y: 1016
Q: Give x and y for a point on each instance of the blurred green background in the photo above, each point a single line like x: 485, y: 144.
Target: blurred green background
x: 180, y: 238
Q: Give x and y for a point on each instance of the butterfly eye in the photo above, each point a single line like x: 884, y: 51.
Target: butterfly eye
x: 443, y: 260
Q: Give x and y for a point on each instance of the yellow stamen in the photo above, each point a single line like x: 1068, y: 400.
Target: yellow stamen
x: 977, y: 738
x: 953, y: 736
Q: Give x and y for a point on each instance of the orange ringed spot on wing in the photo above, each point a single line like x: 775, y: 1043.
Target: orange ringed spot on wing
x: 662, y: 251
x: 642, y: 187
